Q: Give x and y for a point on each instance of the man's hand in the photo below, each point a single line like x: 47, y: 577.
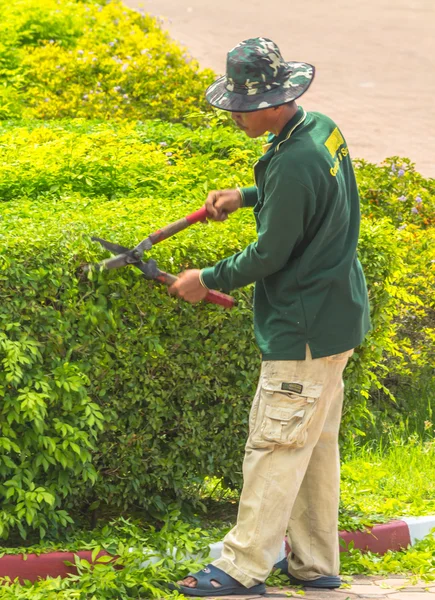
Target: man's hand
x: 188, y: 286
x: 221, y: 203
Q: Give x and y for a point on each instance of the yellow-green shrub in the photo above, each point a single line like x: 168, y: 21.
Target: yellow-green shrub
x: 416, y: 330
x: 93, y: 60
x: 129, y: 158
x: 396, y: 190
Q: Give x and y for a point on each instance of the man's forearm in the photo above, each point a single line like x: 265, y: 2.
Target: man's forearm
x: 238, y: 270
x: 243, y: 268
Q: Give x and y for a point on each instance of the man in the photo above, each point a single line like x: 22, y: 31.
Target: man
x: 310, y: 312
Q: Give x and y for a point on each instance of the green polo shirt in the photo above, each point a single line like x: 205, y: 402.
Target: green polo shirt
x: 309, y: 284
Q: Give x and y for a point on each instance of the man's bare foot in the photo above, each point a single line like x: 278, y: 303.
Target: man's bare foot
x: 191, y: 582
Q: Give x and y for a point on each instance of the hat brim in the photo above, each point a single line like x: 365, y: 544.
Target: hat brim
x: 300, y: 79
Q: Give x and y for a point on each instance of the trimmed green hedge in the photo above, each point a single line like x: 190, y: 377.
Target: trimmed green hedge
x: 112, y: 391
x: 98, y: 159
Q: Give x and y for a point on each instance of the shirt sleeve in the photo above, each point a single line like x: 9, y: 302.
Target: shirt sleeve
x: 282, y: 220
x: 249, y: 195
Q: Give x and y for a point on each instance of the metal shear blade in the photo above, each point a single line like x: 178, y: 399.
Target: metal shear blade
x: 114, y: 248
x: 123, y: 255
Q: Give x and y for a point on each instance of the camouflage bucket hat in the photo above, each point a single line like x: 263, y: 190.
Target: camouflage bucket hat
x: 258, y: 77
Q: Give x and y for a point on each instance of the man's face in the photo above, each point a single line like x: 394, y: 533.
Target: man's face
x: 255, y: 123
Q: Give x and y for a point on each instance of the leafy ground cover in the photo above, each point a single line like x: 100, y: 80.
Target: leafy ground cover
x: 146, y: 560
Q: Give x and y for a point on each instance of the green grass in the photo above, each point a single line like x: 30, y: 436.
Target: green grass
x: 411, y: 412
x: 390, y: 481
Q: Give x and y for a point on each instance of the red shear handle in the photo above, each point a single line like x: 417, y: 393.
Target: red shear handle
x: 177, y: 226
x: 212, y: 296
x: 220, y: 298
x: 198, y: 215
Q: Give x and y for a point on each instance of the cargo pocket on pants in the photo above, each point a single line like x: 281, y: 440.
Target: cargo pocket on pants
x: 284, y: 417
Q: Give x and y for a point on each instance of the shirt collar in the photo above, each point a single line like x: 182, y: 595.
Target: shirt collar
x: 275, y: 140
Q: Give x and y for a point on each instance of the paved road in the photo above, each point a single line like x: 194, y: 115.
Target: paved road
x: 394, y: 588
x: 375, y: 60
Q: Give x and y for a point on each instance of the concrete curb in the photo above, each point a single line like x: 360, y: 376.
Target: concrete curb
x: 395, y: 535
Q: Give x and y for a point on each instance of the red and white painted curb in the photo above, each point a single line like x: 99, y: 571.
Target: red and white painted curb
x: 419, y: 527
x: 395, y: 535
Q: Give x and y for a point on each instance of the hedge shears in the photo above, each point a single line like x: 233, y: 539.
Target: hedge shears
x: 126, y: 256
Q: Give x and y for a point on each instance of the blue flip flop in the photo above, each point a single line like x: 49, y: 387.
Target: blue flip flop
x: 228, y: 585
x: 326, y: 582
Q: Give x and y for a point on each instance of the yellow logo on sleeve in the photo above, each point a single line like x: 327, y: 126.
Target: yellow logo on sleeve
x: 333, y: 144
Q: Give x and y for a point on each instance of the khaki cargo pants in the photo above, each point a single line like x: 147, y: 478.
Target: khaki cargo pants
x: 291, y: 472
